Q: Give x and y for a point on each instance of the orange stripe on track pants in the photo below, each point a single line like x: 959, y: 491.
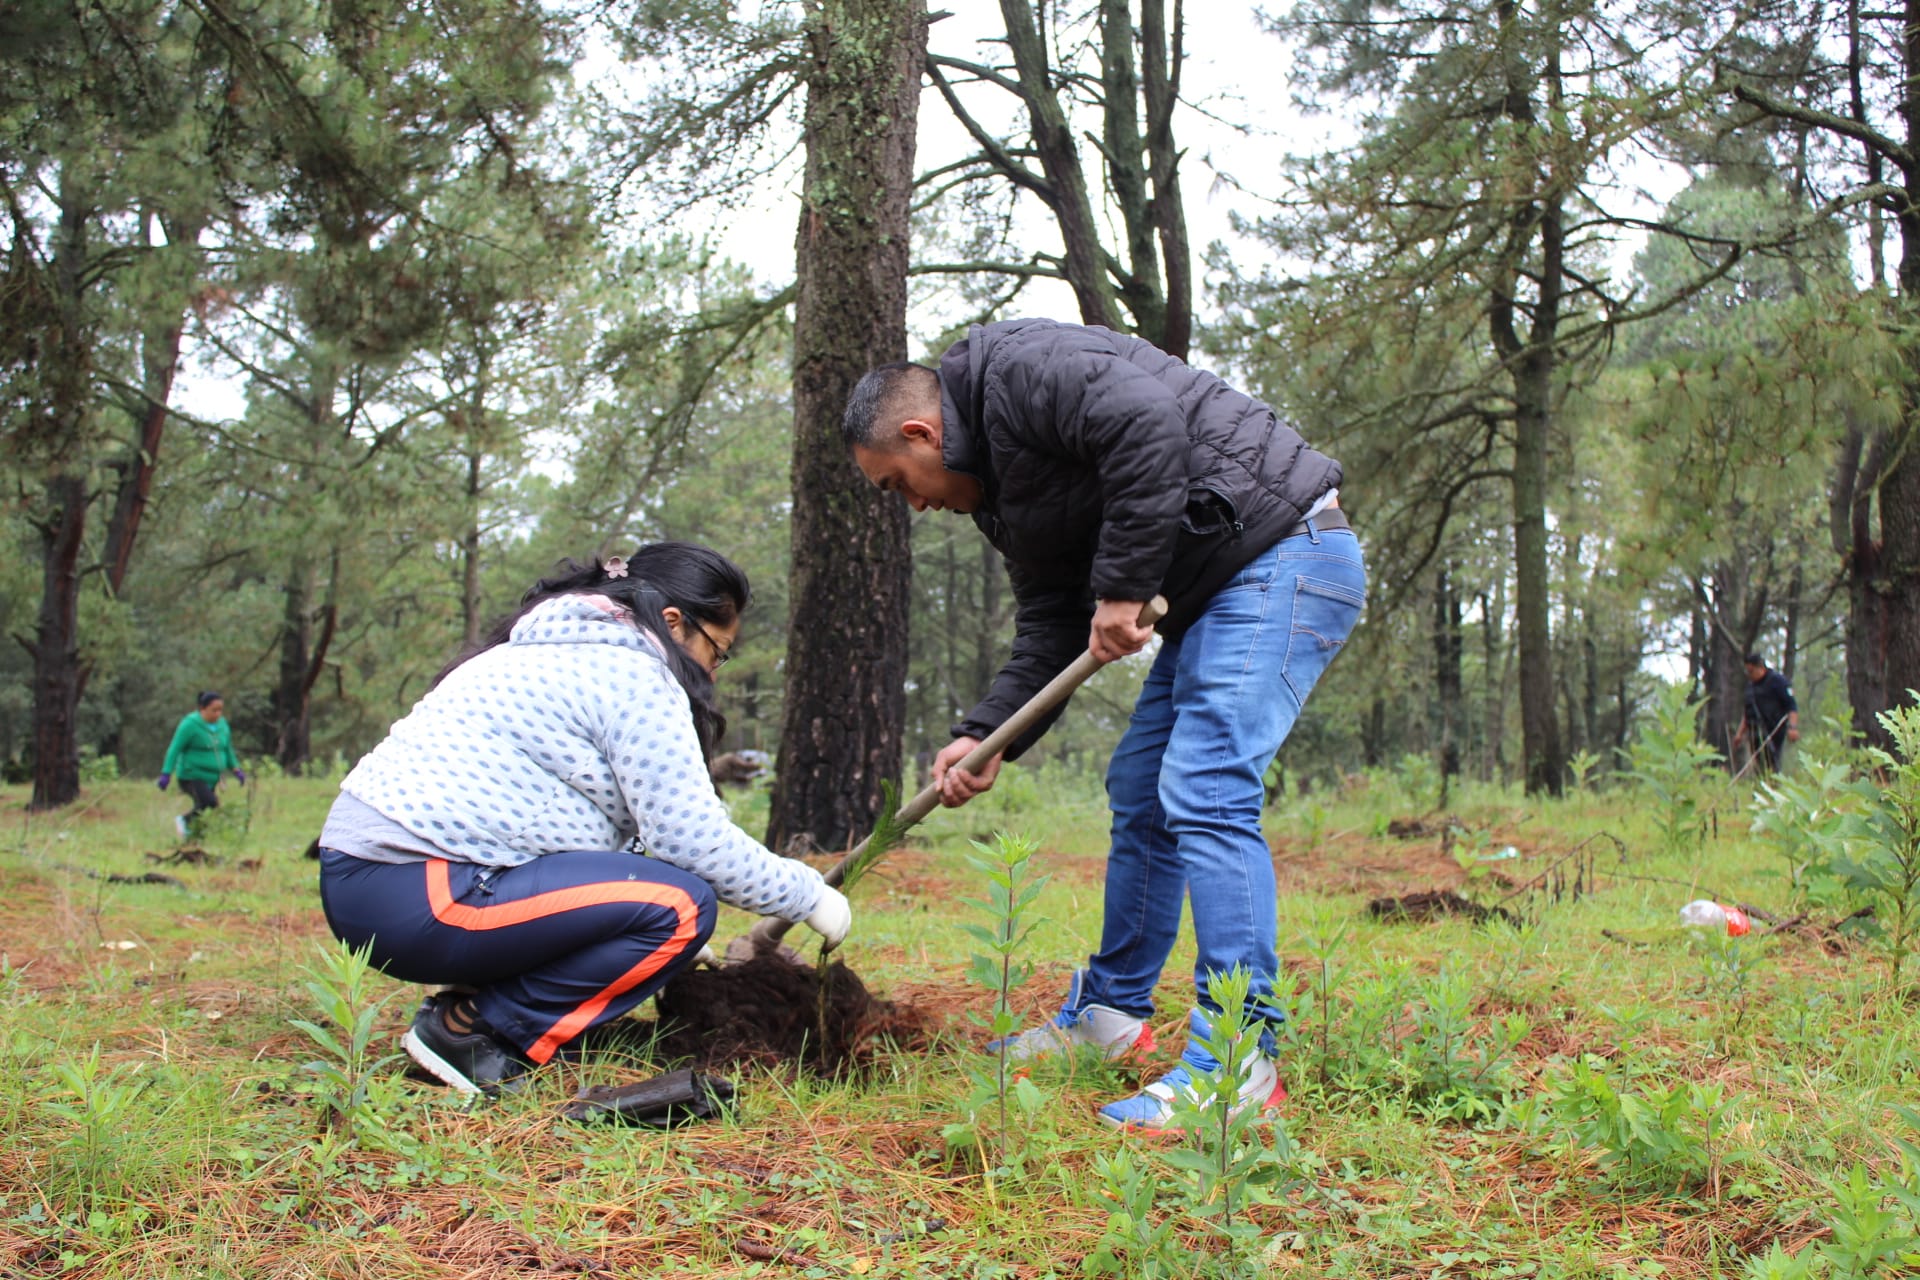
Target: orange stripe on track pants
x: 559, y: 902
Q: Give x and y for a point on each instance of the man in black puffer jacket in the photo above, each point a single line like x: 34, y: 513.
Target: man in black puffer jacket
x: 1105, y: 472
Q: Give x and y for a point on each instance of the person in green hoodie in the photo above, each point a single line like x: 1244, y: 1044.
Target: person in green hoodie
x: 202, y: 750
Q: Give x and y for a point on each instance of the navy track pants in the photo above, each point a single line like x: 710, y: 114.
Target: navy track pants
x: 554, y: 946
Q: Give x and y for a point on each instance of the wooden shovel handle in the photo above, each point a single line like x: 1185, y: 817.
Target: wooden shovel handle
x: 770, y: 930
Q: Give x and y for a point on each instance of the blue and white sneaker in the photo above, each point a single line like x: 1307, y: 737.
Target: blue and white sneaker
x: 1152, y: 1110
x: 1113, y: 1033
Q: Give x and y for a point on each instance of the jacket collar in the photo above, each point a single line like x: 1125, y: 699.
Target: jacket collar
x: 963, y: 447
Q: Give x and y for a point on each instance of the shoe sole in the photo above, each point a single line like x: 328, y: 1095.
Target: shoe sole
x: 1138, y: 1049
x: 435, y: 1065
x: 1169, y: 1130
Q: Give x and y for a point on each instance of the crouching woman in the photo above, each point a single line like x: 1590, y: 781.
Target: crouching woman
x: 540, y: 831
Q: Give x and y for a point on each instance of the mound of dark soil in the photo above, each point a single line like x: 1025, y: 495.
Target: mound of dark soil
x: 767, y: 1009
x: 1435, y: 905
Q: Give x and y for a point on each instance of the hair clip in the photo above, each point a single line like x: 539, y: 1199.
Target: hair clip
x: 615, y: 567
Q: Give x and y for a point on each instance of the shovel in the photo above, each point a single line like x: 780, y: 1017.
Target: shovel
x: 766, y: 935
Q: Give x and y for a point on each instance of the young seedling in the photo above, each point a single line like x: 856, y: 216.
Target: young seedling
x: 1008, y: 904
x: 1227, y: 1155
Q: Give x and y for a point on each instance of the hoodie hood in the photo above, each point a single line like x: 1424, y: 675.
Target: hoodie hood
x: 584, y: 619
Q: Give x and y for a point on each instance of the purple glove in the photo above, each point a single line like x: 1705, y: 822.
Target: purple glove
x: 240, y: 774
x: 165, y: 780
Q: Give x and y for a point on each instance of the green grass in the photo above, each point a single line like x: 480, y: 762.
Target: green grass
x: 1590, y: 1095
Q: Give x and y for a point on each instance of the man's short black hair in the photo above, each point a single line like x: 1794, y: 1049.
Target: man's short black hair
x: 1754, y: 659
x: 884, y: 396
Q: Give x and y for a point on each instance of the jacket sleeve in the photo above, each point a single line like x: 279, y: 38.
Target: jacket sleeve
x: 172, y: 763
x: 228, y: 759
x: 649, y: 743
x: 1051, y: 629
x: 1069, y: 392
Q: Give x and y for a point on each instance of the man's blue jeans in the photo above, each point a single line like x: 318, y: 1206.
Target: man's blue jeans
x: 1185, y: 782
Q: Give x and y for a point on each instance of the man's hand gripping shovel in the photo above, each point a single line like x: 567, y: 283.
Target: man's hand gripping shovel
x: 765, y: 936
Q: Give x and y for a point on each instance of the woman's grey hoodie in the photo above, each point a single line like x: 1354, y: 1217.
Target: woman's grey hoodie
x: 572, y: 735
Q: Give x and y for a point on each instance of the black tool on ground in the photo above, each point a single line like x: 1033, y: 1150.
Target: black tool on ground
x: 659, y: 1103
x: 765, y: 937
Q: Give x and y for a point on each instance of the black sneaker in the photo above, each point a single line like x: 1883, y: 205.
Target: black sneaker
x: 472, y: 1063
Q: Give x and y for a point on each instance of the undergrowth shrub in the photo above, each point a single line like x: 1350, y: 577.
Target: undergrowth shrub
x: 1873, y: 1221
x: 1666, y: 760
x: 1851, y: 830
x: 1655, y: 1138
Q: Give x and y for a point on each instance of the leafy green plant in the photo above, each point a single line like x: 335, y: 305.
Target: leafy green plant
x: 1873, y: 1220
x: 339, y: 984
x: 1325, y: 940
x: 1805, y: 815
x: 1454, y: 1073
x: 1234, y: 1155
x: 1885, y: 835
x: 1004, y: 866
x: 99, y: 1101
x: 1658, y: 1137
x: 1727, y: 965
x: 1139, y: 1239
x: 1581, y: 767
x: 1419, y: 779
x: 1667, y: 758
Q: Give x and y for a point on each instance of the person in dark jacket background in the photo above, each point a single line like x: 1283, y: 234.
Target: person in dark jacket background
x: 1105, y: 472
x: 1772, y: 716
x: 201, y: 750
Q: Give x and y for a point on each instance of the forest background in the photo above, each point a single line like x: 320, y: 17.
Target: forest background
x: 325, y: 328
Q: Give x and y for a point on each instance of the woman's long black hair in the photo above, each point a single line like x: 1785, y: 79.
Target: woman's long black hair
x: 698, y: 581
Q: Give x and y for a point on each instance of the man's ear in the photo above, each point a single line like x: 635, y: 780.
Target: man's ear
x: 919, y: 430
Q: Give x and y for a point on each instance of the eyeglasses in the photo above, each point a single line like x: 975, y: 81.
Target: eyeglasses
x: 721, y: 657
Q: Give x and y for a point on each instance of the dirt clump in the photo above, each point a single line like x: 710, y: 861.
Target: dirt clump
x: 1435, y: 905
x: 767, y: 1009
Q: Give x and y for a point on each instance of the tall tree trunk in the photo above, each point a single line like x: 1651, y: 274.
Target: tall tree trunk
x: 1493, y: 700
x: 1900, y: 485
x: 1532, y: 362
x: 1790, y: 642
x: 290, y: 709
x: 1850, y: 520
x: 470, y: 618
x: 1448, y: 681
x: 852, y: 556
x: 1532, y: 589
x: 64, y: 413
x: 1162, y: 54
x: 1085, y: 265
x: 56, y: 646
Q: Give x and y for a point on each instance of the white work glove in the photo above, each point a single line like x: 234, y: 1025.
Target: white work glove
x: 831, y: 917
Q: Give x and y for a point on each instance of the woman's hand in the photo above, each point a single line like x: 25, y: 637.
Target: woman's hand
x: 832, y: 916
x: 164, y: 781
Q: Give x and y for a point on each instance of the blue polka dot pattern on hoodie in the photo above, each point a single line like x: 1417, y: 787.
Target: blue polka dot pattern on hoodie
x: 571, y: 735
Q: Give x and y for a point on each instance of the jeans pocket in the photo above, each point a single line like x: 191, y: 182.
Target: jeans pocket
x: 1324, y: 615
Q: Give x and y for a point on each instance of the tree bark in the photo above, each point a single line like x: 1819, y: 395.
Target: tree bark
x: 1850, y: 510
x: 1161, y: 56
x: 1900, y: 487
x: 294, y: 743
x: 1448, y: 681
x: 64, y: 413
x: 852, y: 557
x: 56, y: 646
x: 1532, y: 362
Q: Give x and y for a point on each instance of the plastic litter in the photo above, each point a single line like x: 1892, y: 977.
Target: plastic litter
x: 1705, y: 913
